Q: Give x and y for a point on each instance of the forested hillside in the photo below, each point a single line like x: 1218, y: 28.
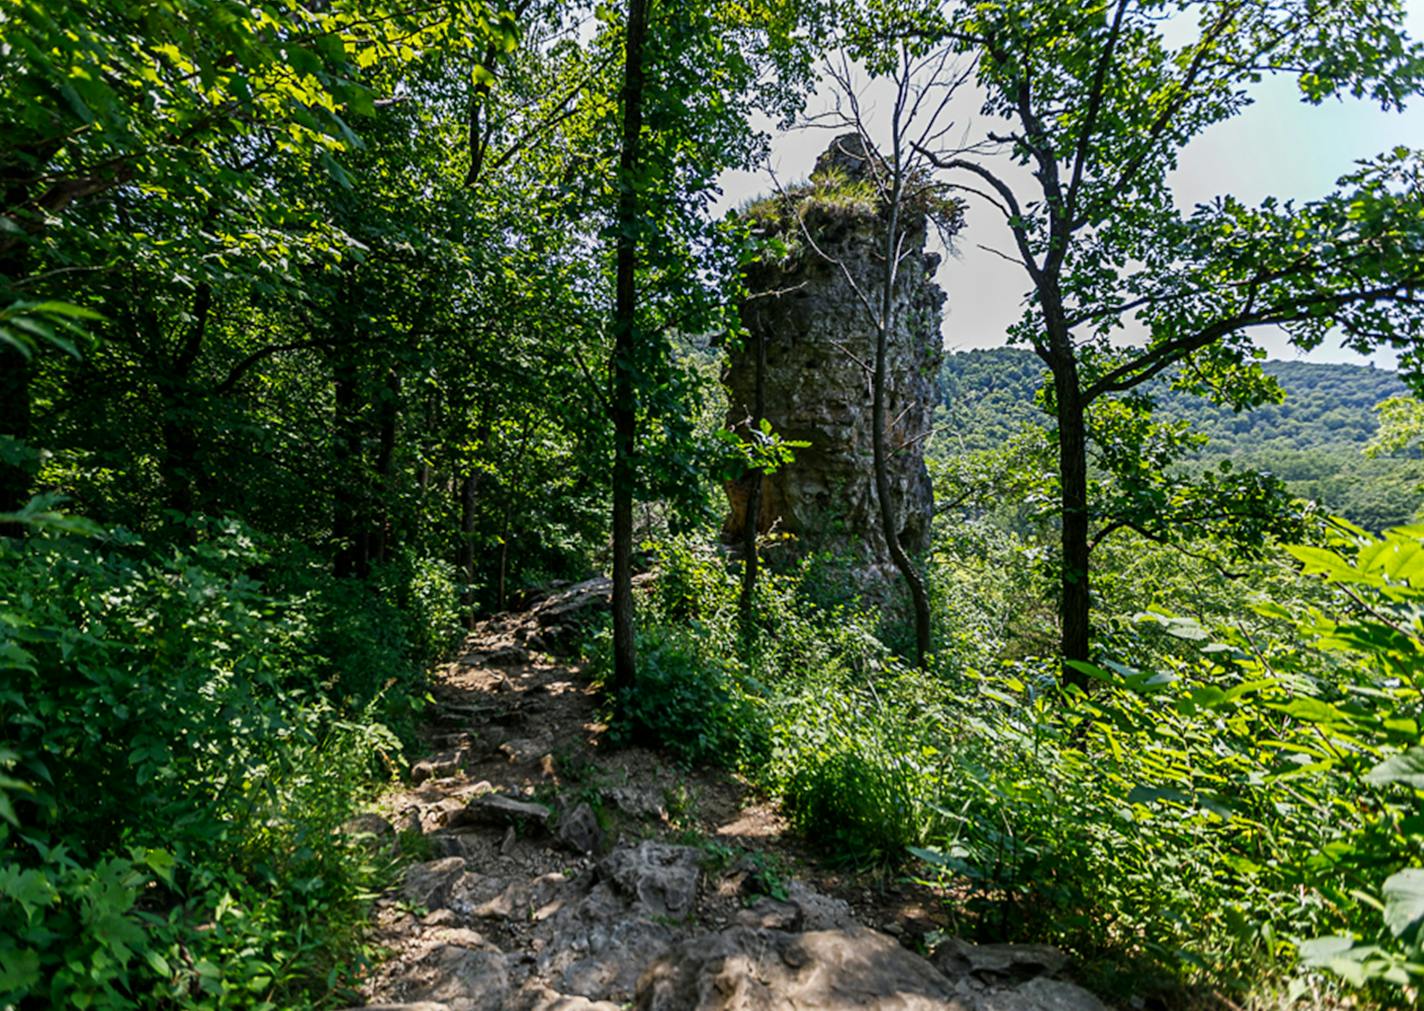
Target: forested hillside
x: 447, y: 563
x: 1314, y: 438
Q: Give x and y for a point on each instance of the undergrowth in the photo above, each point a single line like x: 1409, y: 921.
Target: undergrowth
x: 1213, y: 818
x: 183, y: 745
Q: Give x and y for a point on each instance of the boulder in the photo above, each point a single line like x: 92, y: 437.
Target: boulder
x: 818, y: 343
x: 429, y: 884
x: 370, y: 831
x: 818, y: 911
x: 496, y: 809
x: 508, y: 655
x: 491, y: 898
x: 662, y: 879
x: 1019, y: 962
x: 579, y: 829
x: 408, y: 822
x: 770, y: 914
x: 439, y: 766
x: 574, y: 604
x: 561, y: 614
x: 464, y: 978
x: 1039, y: 995
x: 744, y: 969
x: 541, y: 998
x: 646, y: 802
x: 596, y: 942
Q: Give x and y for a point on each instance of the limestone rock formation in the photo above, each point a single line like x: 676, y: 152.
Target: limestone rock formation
x: 819, y: 344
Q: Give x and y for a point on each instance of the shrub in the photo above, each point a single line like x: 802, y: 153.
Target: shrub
x: 180, y: 753
x: 691, y: 704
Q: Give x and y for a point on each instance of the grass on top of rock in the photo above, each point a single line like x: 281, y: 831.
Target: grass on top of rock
x: 830, y: 195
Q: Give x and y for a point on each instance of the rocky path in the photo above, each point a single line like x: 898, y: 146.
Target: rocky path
x: 558, y: 875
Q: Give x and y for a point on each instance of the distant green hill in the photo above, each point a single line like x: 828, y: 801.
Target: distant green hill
x: 1313, y: 440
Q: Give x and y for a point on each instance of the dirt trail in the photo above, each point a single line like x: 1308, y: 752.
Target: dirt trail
x: 557, y: 873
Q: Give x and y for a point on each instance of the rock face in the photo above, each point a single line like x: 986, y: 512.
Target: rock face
x: 846, y: 969
x: 743, y: 969
x: 820, y: 344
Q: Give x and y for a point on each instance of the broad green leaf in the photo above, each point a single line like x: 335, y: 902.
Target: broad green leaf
x: 161, y: 862
x: 1404, y: 900
x: 1313, y: 711
x: 1406, y: 767
x: 1320, y: 950
x: 68, y: 309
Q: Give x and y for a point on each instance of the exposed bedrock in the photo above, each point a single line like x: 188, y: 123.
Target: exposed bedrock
x: 820, y: 349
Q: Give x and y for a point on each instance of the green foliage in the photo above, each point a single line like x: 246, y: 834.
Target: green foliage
x: 690, y: 703
x: 808, y: 707
x: 1222, y: 809
x: 1234, y: 807
x: 690, y: 697
x: 989, y: 397
x: 829, y: 202
x: 851, y: 778
x: 1401, y: 423
x: 1311, y: 440
x: 181, y: 752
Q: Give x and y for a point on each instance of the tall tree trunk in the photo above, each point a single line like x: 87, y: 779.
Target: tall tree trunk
x: 378, y: 521
x: 622, y: 405
x: 469, y: 492
x: 179, y: 465
x: 751, y: 525
x: 352, y: 551
x: 15, y: 479
x: 180, y: 468
x: 919, y: 597
x: 1073, y: 477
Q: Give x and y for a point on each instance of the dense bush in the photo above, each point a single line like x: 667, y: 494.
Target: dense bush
x: 691, y: 696
x: 807, y: 704
x: 1237, y: 813
x: 182, y: 747
x: 1233, y: 811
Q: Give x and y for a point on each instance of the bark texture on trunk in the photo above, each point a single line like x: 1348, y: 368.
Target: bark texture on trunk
x: 752, y: 524
x: 1073, y: 477
x: 15, y: 424
x: 185, y: 483
x: 352, y: 550
x: 379, y: 519
x: 15, y: 479
x: 622, y: 409
x: 919, y: 597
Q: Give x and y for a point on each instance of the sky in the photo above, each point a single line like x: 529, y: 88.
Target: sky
x: 1278, y: 146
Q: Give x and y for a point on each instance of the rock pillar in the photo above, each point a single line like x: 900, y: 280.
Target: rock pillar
x: 820, y: 350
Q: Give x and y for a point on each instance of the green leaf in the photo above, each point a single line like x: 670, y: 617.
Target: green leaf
x: 1153, y: 794
x: 159, y: 963
x: 1319, y: 561
x: 1208, y: 696
x: 1406, y: 767
x: 1320, y: 950
x: 1313, y: 711
x: 161, y: 862
x: 19, y: 969
x: 68, y: 309
x: 1404, y: 900
x: 31, y: 889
